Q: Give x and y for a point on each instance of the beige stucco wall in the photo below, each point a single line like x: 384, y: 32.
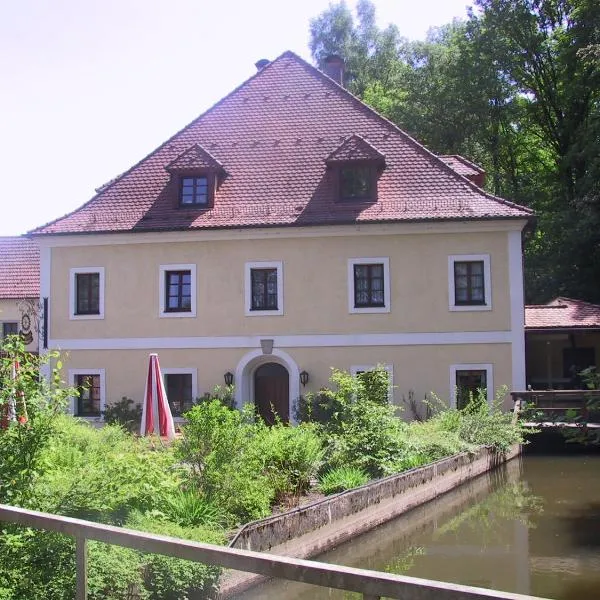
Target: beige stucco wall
x: 544, y: 352
x: 10, y: 312
x: 423, y: 369
x: 315, y: 286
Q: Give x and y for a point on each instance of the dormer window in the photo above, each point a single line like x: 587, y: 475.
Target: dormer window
x: 356, y: 164
x: 195, y: 175
x: 194, y: 191
x: 356, y: 182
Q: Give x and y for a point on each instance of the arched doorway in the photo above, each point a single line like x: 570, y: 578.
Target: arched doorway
x: 272, y: 392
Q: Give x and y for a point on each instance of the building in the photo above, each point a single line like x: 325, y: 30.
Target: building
x: 287, y: 230
x: 20, y: 289
x: 562, y: 339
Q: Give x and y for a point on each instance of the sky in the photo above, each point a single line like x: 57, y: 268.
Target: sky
x: 88, y: 88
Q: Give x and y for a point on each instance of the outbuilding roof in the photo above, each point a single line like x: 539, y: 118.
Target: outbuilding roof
x: 19, y: 268
x: 562, y: 313
x: 273, y: 135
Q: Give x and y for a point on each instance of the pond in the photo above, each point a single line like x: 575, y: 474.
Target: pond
x: 531, y: 527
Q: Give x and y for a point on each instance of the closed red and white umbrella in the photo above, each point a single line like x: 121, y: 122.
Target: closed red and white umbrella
x: 156, y: 413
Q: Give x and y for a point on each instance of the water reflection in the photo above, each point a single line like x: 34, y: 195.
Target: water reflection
x: 532, y: 527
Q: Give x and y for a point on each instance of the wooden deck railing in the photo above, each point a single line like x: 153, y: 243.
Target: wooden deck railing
x: 558, y: 405
x: 371, y: 584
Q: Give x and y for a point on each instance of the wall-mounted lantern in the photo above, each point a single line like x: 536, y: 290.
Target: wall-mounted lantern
x: 228, y: 378
x: 304, y: 378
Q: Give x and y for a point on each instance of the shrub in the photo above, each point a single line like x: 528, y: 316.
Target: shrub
x: 363, y: 432
x: 216, y: 446
x: 224, y: 394
x: 188, y: 508
x: 39, y: 401
x: 167, y: 578
x: 102, y: 474
x: 291, y: 456
x: 125, y: 413
x: 483, y: 424
x: 341, y: 479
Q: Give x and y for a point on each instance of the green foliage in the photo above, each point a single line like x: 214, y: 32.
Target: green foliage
x: 224, y: 394
x: 291, y: 456
x: 101, y: 474
x: 483, y: 424
x: 364, y: 431
x: 516, y: 88
x: 216, y: 446
x: 188, y: 508
x: 39, y: 401
x: 167, y: 578
x: 341, y: 479
x: 125, y: 413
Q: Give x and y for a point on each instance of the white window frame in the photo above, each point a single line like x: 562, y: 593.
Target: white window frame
x: 489, y: 375
x: 355, y: 369
x: 182, y: 371
x: 487, y: 282
x: 385, y: 261
x: 73, y: 289
x: 162, y: 300
x: 276, y: 264
x: 73, y: 400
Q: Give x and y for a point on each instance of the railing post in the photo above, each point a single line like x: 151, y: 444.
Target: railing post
x: 81, y: 566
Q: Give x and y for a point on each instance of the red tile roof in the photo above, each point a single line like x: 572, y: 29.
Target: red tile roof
x: 19, y: 268
x: 355, y: 148
x: 562, y: 313
x: 195, y: 157
x: 273, y: 135
x: 461, y: 165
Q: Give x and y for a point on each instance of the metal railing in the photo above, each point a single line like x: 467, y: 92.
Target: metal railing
x: 371, y: 584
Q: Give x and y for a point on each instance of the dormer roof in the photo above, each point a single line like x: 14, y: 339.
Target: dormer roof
x: 355, y: 148
x: 195, y: 157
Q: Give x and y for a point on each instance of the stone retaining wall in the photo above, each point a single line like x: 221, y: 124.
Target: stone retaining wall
x: 312, y: 529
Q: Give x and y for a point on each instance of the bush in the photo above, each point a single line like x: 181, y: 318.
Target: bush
x: 167, y: 578
x: 364, y: 432
x: 216, y: 445
x: 188, y: 508
x: 482, y: 424
x: 341, y: 479
x: 39, y: 401
x: 291, y: 456
x: 125, y: 413
x: 102, y: 474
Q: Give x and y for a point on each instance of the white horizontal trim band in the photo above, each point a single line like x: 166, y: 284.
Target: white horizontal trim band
x: 288, y: 341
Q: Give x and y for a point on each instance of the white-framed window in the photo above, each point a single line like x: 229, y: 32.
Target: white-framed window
x: 91, y: 402
x: 469, y: 282
x: 86, y: 293
x: 369, y: 285
x: 466, y: 379
x: 263, y: 287
x: 181, y: 385
x: 358, y: 369
x: 177, y: 290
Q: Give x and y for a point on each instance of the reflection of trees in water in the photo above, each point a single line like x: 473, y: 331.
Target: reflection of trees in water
x: 511, y: 502
x: 404, y: 561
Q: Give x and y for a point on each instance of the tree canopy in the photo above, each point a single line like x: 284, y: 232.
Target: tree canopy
x: 515, y: 88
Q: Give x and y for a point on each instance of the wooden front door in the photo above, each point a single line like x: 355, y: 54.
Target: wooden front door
x: 272, y: 393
